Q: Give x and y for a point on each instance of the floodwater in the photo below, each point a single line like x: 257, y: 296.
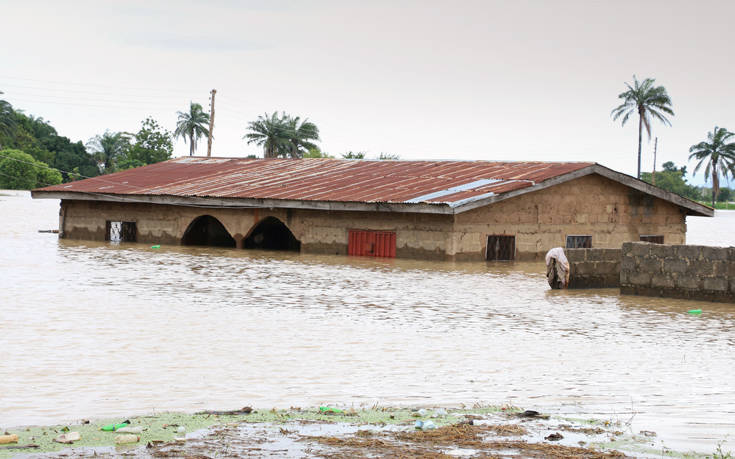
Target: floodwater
x: 94, y: 329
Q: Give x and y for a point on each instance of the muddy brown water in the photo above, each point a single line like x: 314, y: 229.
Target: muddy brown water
x: 93, y: 330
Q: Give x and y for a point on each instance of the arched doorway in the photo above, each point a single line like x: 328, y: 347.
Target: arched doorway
x: 207, y: 230
x: 271, y: 234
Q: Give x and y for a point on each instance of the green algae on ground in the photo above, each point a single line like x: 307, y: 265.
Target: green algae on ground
x: 92, y: 436
x: 205, y: 430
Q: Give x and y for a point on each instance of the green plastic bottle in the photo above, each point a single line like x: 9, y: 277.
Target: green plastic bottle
x: 114, y: 427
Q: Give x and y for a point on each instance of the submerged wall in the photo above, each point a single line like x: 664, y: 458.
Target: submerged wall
x: 609, y: 212
x: 417, y: 235
x: 594, y: 268
x: 678, y: 271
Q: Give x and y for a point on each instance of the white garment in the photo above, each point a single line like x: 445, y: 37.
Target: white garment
x: 562, y: 266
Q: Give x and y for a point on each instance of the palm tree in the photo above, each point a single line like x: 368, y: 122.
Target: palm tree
x: 192, y: 125
x: 719, y: 154
x: 272, y: 133
x: 649, y: 101
x: 106, y: 148
x: 301, y: 133
x: 282, y: 135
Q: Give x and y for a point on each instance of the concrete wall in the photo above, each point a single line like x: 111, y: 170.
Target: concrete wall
x: 594, y: 268
x: 592, y: 205
x: 417, y: 235
x: 678, y: 271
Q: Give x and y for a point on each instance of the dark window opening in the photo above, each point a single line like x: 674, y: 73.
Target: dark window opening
x: 367, y: 243
x: 272, y: 234
x: 500, y: 248
x: 207, y: 230
x: 121, y: 231
x: 654, y: 239
x: 579, y: 242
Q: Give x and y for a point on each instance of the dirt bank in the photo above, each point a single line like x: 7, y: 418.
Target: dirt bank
x: 503, y: 431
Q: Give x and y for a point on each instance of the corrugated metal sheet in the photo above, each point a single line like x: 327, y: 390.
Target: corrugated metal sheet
x: 367, y: 243
x: 438, y: 182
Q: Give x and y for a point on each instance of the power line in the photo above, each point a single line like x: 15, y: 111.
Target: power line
x: 58, y: 82
x: 81, y: 91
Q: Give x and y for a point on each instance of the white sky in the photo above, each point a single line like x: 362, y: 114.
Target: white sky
x: 515, y: 80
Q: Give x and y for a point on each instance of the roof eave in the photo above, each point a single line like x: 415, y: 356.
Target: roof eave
x: 202, y: 201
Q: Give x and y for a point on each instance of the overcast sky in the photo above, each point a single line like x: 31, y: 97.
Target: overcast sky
x: 492, y: 80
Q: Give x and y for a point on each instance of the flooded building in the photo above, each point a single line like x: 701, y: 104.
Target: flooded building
x: 455, y: 210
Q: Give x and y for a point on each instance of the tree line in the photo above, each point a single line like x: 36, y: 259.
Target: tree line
x: 651, y: 102
x: 33, y: 154
x: 32, y: 144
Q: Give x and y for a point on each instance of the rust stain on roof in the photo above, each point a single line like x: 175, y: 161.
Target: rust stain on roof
x: 436, y: 182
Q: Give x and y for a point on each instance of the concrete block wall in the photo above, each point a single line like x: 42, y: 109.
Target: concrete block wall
x: 594, y: 268
x: 678, y: 271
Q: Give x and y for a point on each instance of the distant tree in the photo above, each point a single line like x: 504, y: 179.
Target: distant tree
x: 673, y: 179
x: 36, y: 137
x: 108, y: 148
x: 270, y: 132
x: 20, y: 171
x: 301, y: 134
x: 389, y: 156
x: 282, y: 135
x: 7, y: 120
x: 152, y: 144
x: 353, y: 155
x: 718, y: 153
x: 725, y: 195
x: 649, y: 102
x: 317, y: 153
x: 192, y: 125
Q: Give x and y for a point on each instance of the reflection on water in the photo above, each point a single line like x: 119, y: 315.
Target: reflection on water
x: 93, y: 329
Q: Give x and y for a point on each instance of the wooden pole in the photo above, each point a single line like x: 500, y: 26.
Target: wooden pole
x: 211, y: 122
x: 653, y: 176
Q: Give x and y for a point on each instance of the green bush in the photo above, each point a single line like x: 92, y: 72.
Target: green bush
x: 20, y: 171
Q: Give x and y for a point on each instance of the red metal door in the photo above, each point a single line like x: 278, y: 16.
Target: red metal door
x: 367, y: 243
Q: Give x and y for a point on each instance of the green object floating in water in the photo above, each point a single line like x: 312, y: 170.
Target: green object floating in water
x: 695, y: 312
x: 157, y: 246
x: 329, y: 409
x: 114, y: 427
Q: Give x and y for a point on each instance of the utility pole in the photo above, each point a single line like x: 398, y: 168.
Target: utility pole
x: 211, y: 122
x: 655, y: 147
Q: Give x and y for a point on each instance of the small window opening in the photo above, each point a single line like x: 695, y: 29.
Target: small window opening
x: 121, y: 232
x: 500, y: 248
x: 579, y: 242
x: 654, y: 239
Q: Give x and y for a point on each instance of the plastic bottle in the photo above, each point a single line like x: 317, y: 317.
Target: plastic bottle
x: 127, y: 438
x: 114, y: 427
x: 4, y: 439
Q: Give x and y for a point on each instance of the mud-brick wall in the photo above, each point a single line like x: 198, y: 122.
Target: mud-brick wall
x: 594, y: 268
x: 678, y: 271
x: 592, y: 205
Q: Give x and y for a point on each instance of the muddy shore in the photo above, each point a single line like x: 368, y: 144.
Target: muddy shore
x: 479, y: 431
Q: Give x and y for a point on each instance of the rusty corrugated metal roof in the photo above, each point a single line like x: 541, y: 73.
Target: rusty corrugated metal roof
x: 333, y: 180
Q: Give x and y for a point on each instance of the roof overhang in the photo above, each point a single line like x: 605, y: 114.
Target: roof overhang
x: 691, y: 207
x: 248, y: 203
